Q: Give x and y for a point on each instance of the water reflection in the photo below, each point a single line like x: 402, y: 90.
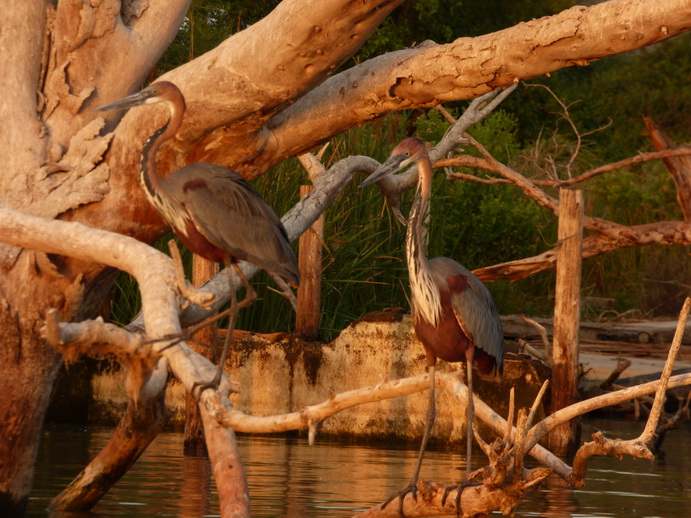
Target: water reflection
x: 288, y: 478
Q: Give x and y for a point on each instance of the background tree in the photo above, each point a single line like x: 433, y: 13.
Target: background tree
x: 265, y: 94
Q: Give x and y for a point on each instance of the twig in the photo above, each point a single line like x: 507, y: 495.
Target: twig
x: 651, y: 425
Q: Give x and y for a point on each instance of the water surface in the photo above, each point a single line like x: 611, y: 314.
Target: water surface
x: 288, y: 478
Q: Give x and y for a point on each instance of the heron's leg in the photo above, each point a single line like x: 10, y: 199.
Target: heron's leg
x: 431, y: 416
x: 232, y: 318
x: 469, y: 413
x: 470, y: 418
x: 250, y: 294
x: 429, y: 422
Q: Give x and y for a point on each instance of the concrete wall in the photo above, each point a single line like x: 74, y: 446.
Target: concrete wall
x: 280, y: 377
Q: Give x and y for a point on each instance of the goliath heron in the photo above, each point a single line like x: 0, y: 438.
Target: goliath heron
x: 453, y: 312
x: 213, y: 210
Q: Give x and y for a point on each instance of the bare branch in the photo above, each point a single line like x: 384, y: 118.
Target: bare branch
x: 653, y: 420
x: 627, y: 162
x: 614, y: 398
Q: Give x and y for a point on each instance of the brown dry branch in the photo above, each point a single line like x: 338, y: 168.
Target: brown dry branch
x: 478, y: 163
x: 636, y: 447
x: 546, y: 356
x: 622, y: 365
x: 433, y: 499
x: 679, y: 166
x: 609, y: 235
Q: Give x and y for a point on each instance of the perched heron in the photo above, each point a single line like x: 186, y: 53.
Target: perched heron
x: 453, y: 312
x: 213, y: 210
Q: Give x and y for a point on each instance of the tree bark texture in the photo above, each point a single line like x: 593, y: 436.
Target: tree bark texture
x: 567, y: 313
x: 310, y: 263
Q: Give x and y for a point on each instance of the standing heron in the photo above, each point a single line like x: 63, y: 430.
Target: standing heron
x: 213, y: 210
x: 453, y: 312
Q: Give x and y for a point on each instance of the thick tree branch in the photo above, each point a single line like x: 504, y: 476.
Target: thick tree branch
x: 469, y: 67
x: 662, y: 233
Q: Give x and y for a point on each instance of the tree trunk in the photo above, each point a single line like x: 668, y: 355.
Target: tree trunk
x: 567, y: 316
x: 30, y: 369
x: 310, y: 263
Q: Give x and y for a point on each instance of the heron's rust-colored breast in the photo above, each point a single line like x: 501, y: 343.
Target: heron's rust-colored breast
x: 447, y: 340
x: 197, y: 243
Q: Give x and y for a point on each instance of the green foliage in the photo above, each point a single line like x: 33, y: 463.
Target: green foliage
x: 615, y: 93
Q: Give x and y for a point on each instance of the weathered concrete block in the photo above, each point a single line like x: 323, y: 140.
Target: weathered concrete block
x: 281, y: 377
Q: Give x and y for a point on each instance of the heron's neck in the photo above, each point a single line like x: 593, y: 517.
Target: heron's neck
x: 148, y: 173
x: 424, y: 292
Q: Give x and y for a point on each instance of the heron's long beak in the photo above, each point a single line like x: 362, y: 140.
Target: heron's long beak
x: 127, y: 102
x: 390, y: 166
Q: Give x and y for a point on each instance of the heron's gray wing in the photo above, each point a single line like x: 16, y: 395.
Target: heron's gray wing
x: 474, y: 308
x: 230, y: 214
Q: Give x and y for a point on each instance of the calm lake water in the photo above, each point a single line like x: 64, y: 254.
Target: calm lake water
x: 288, y: 478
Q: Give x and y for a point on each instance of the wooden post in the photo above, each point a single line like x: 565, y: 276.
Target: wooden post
x: 193, y: 441
x: 567, y: 309
x: 310, y: 264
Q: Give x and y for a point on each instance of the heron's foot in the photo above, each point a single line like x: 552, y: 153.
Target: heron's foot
x: 412, y: 489
x: 460, y: 487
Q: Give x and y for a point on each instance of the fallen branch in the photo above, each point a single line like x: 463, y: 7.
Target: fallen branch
x: 503, y: 484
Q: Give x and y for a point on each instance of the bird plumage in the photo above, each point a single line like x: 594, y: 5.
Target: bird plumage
x: 453, y: 312
x: 471, y: 303
x: 213, y: 210
x: 229, y: 213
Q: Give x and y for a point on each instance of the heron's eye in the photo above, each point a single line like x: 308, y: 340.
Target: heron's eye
x: 156, y: 91
x: 407, y: 153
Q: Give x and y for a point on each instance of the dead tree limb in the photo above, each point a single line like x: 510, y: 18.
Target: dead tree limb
x: 677, y: 162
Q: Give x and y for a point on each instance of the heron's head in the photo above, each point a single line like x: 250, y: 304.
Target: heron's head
x: 162, y: 91
x: 408, y: 151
